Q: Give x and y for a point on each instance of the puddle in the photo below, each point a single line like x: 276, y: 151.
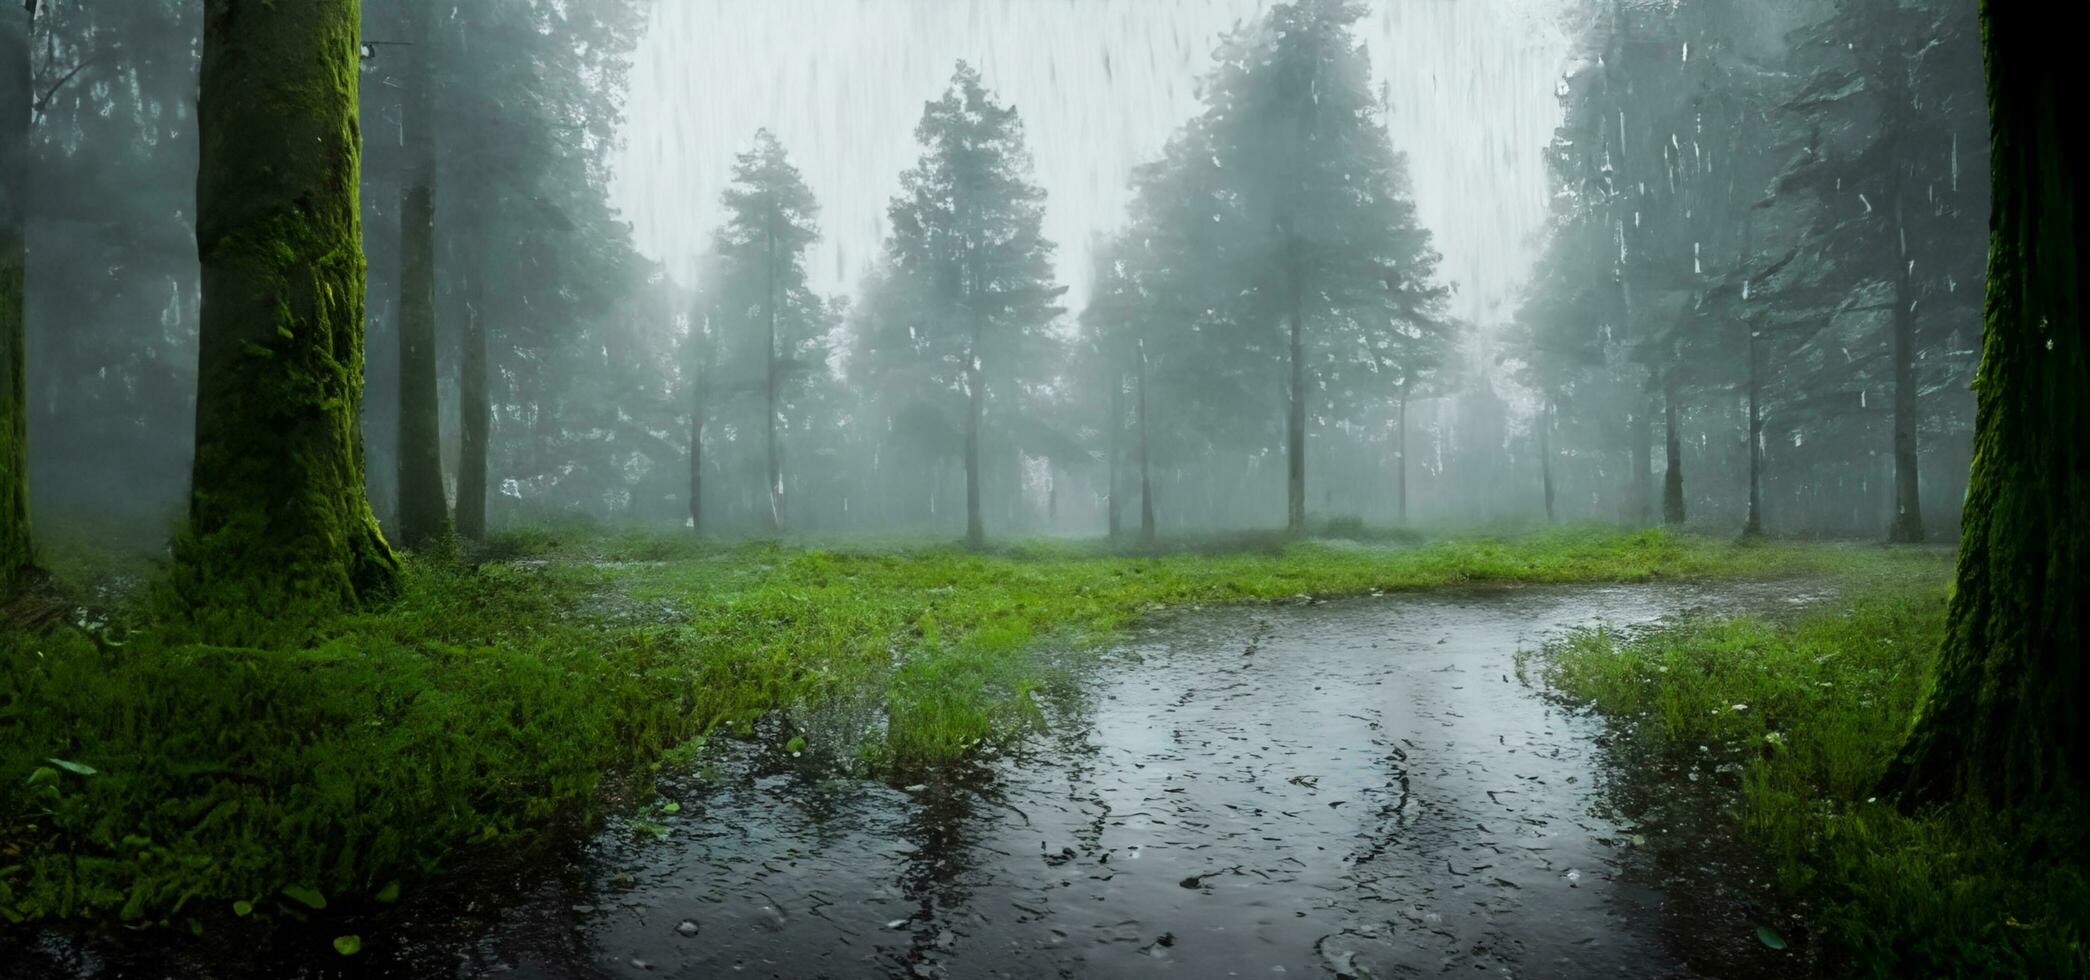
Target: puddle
x: 1359, y: 788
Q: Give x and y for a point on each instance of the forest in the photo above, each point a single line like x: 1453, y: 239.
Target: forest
x: 598, y: 488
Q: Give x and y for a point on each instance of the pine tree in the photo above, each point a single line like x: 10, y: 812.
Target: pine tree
x: 967, y: 228
x: 771, y: 221
x: 278, y: 522
x: 1317, y: 221
x: 2002, y: 725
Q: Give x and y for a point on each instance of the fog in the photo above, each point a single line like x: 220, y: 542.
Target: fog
x: 1333, y: 266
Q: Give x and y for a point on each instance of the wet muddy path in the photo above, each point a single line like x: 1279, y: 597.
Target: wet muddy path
x: 1356, y: 788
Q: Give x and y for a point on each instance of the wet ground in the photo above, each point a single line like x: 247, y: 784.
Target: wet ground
x: 1360, y: 788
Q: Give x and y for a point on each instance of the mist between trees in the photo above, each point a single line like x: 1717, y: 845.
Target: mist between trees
x: 1757, y: 304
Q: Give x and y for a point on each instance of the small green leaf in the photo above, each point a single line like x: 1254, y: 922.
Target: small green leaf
x: 388, y: 894
x: 671, y: 807
x: 796, y: 745
x: 647, y: 827
x: 43, y: 774
x: 1769, y: 937
x: 243, y: 908
x: 348, y: 945
x: 309, y: 897
x: 77, y: 768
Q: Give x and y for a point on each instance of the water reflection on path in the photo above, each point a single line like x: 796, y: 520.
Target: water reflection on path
x: 1358, y: 788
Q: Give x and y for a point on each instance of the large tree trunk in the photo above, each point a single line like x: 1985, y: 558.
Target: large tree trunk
x: 1907, y: 527
x: 2003, y: 723
x: 1753, y: 528
x: 474, y: 417
x: 279, y: 526
x: 1545, y: 455
x: 1295, y: 419
x: 423, y: 513
x: 15, y: 88
x: 1672, y: 452
x: 1146, y: 479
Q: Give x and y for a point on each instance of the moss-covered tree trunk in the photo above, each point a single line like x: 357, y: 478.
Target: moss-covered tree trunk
x: 1113, y: 506
x: 975, y: 408
x: 424, y: 514
x: 279, y: 525
x: 1295, y: 406
x: 1753, y: 527
x: 474, y: 418
x: 1400, y: 455
x: 15, y: 554
x: 772, y: 377
x: 2003, y: 723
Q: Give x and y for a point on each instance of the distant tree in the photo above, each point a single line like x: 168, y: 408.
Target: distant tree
x: 967, y: 229
x: 1313, y: 226
x: 771, y: 221
x: 16, y: 555
x: 2002, y: 724
x: 1886, y: 93
x: 424, y: 516
x: 278, y: 520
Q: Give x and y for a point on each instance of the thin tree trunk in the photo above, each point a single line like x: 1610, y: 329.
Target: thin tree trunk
x: 279, y: 526
x: 976, y: 405
x: 1400, y: 455
x: 1146, y: 480
x: 1754, y: 526
x: 699, y: 413
x: 1672, y: 451
x: 2003, y: 721
x: 16, y: 554
x: 423, y: 513
x: 1114, y: 506
x: 1545, y: 455
x: 1907, y: 527
x: 474, y: 418
x: 1295, y: 420
x: 776, y: 466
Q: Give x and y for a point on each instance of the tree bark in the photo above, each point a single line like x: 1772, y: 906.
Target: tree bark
x: 976, y: 407
x: 1295, y: 419
x: 699, y: 413
x: 16, y: 555
x: 1545, y: 455
x: 1907, y: 527
x: 1113, y: 505
x: 1672, y: 451
x: 776, y: 467
x: 1753, y: 527
x: 474, y: 418
x: 423, y: 513
x: 1400, y: 455
x: 2002, y: 724
x: 279, y: 526
x: 1146, y: 479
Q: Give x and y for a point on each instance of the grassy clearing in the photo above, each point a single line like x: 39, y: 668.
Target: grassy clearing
x: 1807, y: 715
x: 151, y: 780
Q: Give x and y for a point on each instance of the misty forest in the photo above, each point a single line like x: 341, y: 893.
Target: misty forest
x: 1042, y: 488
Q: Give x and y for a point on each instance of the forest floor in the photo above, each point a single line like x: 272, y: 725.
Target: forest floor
x: 549, y: 678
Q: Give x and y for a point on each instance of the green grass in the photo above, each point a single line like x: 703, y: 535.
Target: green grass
x: 1811, y: 711
x: 488, y: 703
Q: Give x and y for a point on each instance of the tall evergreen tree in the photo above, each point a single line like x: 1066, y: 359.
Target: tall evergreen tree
x: 968, y: 228
x: 278, y: 517
x: 15, y: 100
x: 423, y: 512
x: 1316, y: 227
x: 2002, y: 724
x: 771, y: 221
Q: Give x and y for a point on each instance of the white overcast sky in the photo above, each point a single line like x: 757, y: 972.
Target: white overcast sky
x: 1100, y: 84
